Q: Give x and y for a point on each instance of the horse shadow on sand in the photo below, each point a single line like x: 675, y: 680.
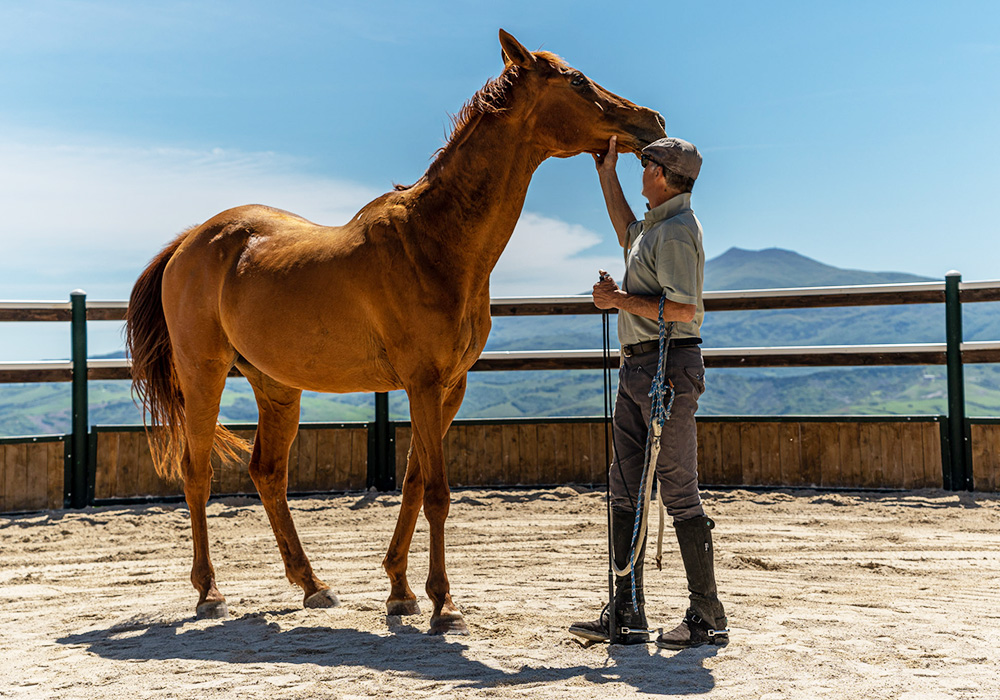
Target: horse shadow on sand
x: 406, y: 651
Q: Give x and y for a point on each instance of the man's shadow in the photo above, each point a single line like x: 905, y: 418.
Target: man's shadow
x: 407, y: 651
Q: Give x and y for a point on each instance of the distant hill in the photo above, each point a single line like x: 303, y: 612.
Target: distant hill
x: 43, y: 408
x: 774, y: 267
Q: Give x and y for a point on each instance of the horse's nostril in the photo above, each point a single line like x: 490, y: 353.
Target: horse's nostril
x: 661, y: 120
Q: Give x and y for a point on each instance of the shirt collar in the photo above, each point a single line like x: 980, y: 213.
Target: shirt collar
x: 672, y: 207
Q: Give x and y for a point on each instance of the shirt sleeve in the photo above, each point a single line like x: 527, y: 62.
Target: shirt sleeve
x: 633, y: 231
x: 677, y: 270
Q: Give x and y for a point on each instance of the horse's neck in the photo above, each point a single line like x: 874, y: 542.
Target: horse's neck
x: 478, y: 191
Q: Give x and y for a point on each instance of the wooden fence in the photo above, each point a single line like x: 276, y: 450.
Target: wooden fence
x: 32, y: 473
x: 106, y: 464
x: 818, y: 451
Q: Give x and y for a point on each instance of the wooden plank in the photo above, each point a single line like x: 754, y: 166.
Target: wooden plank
x: 334, y: 460
x: 36, y: 476
x: 480, y: 468
x: 15, y: 461
x: 710, y: 452
x: 770, y: 453
x: 751, y: 465
x: 985, y: 456
x: 562, y: 451
x: 600, y: 454
x: 991, y: 465
x: 510, y: 454
x: 790, y: 454
x: 731, y: 472
x: 3, y: 479
x: 106, y: 464
x: 493, y: 447
x: 127, y: 465
x: 547, y: 473
x: 581, y: 452
x: 56, y: 475
x: 829, y: 454
x: 852, y: 463
x: 911, y: 454
x: 933, y: 477
x: 328, y: 466
x: 810, y: 447
x: 307, y: 457
x: 357, y: 477
x: 890, y: 434
x: 871, y: 455
x: 528, y: 443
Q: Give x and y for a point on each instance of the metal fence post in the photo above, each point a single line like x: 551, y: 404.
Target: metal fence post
x: 80, y: 449
x: 959, y: 476
x: 381, y: 455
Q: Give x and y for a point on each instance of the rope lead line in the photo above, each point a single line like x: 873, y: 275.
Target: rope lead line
x: 658, y: 415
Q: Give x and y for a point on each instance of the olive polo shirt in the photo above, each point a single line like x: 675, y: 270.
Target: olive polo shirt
x: 664, y: 256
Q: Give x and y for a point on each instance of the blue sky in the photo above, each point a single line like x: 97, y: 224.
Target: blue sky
x: 862, y: 134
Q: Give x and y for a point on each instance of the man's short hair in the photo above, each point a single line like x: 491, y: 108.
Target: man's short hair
x: 676, y: 181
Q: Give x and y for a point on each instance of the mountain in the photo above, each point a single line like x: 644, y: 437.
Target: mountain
x: 774, y: 267
x: 27, y: 409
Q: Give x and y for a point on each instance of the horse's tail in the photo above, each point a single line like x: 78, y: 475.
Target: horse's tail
x: 154, y: 377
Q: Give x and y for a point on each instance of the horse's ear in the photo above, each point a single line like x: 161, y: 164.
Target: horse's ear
x: 514, y: 53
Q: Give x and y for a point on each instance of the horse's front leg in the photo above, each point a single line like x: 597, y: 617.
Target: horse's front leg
x: 402, y: 601
x: 431, y: 411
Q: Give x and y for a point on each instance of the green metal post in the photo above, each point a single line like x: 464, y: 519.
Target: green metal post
x: 386, y: 473
x: 381, y: 456
x: 959, y: 477
x: 81, y: 424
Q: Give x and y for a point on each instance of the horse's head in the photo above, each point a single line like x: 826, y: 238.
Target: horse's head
x: 571, y: 114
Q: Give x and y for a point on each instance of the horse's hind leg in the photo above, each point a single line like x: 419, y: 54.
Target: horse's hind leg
x: 202, y: 391
x: 277, y: 425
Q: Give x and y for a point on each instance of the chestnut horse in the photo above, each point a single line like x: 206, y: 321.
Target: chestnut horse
x: 397, y: 298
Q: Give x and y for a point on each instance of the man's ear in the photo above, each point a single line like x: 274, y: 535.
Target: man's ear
x: 514, y: 53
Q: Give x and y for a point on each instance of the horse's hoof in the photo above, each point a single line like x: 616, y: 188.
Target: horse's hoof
x: 448, y: 623
x: 402, y: 607
x: 212, y: 610
x: 323, y: 599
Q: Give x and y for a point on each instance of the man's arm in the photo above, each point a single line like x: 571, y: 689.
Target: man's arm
x: 607, y: 295
x: 618, y: 208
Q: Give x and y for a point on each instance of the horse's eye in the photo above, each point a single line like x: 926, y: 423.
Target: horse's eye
x: 577, y: 80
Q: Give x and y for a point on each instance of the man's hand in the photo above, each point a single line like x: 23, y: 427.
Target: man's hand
x: 606, y: 163
x: 606, y: 292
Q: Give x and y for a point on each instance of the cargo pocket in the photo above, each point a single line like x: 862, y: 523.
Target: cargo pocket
x: 697, y: 377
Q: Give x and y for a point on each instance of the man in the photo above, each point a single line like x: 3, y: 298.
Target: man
x: 664, y: 257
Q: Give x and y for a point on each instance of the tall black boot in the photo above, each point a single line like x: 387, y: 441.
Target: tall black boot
x: 630, y: 620
x: 705, y: 621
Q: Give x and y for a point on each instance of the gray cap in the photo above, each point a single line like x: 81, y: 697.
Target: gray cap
x: 677, y: 155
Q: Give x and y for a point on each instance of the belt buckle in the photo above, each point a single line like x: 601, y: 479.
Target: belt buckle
x: 627, y: 350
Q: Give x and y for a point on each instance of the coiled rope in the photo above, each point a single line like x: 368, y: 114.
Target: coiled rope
x: 658, y: 415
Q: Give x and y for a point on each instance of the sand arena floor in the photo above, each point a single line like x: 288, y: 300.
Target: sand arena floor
x: 830, y: 595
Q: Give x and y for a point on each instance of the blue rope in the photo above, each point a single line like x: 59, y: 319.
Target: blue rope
x: 658, y: 415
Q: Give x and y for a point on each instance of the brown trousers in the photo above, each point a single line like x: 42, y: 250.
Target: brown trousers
x: 677, y: 464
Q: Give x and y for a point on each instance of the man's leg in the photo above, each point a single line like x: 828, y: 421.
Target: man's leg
x: 677, y: 470
x: 630, y: 426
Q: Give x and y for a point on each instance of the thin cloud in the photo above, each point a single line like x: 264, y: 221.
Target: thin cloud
x: 90, y: 215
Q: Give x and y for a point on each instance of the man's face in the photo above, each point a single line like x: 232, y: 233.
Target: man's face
x: 652, y: 182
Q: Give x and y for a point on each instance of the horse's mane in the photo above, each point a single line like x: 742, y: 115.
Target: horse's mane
x: 491, y: 98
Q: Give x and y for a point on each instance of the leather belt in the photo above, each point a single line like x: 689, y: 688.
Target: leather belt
x: 651, y: 345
